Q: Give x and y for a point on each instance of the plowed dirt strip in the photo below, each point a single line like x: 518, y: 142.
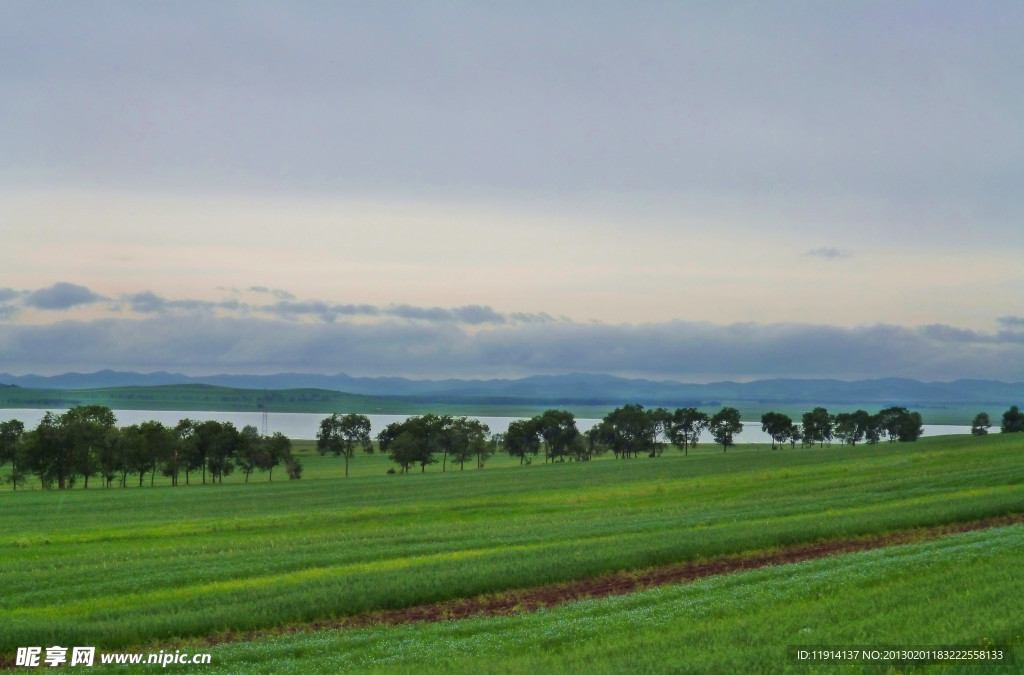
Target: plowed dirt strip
x: 620, y: 583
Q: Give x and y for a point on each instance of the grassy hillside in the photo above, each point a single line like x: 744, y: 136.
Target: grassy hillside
x: 115, y: 567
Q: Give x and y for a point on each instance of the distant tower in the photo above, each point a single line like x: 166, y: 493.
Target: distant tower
x: 265, y: 402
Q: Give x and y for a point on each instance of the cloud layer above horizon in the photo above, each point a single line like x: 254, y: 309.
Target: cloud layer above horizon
x: 262, y: 330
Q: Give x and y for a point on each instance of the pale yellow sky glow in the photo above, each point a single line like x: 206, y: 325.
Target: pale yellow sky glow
x: 430, y: 254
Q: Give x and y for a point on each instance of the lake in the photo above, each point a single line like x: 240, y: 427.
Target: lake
x: 305, y: 425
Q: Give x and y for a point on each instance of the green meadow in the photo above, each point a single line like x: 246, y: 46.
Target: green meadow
x: 124, y: 567
x: 961, y: 590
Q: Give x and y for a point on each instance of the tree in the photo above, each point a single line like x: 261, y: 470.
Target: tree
x: 685, y: 428
x: 1013, y: 421
x: 134, y: 458
x: 294, y: 468
x: 889, y: 420
x: 483, y: 448
x: 661, y: 425
x: 11, y: 433
x: 276, y: 450
x: 911, y: 427
x: 981, y: 424
x: 777, y: 426
x: 47, y: 453
x: 795, y: 434
x: 341, y: 435
x: 847, y: 429
x: 403, y: 449
x: 86, y: 429
x: 629, y: 431
x: 724, y: 425
x: 818, y: 426
x: 225, y: 442
x: 414, y: 440
x: 522, y: 439
x: 186, y: 455
x: 250, y: 449
x: 557, y: 428
x: 468, y: 438
x: 175, y: 461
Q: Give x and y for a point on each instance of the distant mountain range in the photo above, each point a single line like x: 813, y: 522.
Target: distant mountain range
x: 573, y: 388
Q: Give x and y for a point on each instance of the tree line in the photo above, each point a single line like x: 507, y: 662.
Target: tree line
x: 626, y: 432
x: 1013, y: 422
x: 85, y: 443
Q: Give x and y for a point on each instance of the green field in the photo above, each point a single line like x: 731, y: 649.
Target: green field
x: 116, y: 567
x: 960, y: 590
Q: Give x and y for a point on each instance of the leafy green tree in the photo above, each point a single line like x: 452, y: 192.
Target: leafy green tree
x: 468, y: 437
x: 581, y: 449
x: 981, y: 424
x: 795, y: 435
x: 847, y: 429
x: 661, y: 427
x: 484, y: 448
x: 818, y: 427
x: 557, y: 428
x: 685, y: 428
x: 522, y: 438
x: 777, y: 426
x: 1013, y: 421
x: 421, y: 438
x: 222, y: 453
x: 144, y: 448
x: 277, y: 449
x: 87, y: 430
x: 911, y: 427
x: 891, y: 420
x: 725, y: 424
x: 593, y: 442
x: 342, y: 434
x: 133, y: 455
x: 11, y: 433
x: 250, y: 449
x: 294, y: 468
x: 629, y: 431
x: 175, y: 461
x: 403, y: 449
x: 48, y: 454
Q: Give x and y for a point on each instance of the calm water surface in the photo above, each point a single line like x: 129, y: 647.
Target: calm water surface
x: 305, y: 425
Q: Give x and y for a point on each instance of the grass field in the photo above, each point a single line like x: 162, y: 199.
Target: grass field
x: 960, y: 590
x: 114, y: 567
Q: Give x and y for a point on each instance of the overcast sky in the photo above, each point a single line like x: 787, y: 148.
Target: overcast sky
x: 683, y: 190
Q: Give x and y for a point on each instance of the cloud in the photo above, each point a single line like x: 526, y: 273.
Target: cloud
x: 530, y: 317
x: 148, y: 302
x: 8, y: 294
x: 469, y: 314
x: 392, y: 346
x: 477, y: 314
x: 827, y: 252
x: 1011, y: 321
x: 276, y: 292
x: 62, y: 295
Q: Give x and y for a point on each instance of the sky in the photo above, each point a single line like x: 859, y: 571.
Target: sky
x: 669, y: 190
